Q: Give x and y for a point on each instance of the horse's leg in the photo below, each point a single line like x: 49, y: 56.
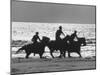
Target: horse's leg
x: 79, y: 53
x: 69, y: 54
x: 51, y: 51
x: 27, y: 55
x: 40, y: 54
x: 61, y: 53
x: 64, y: 54
x: 33, y: 54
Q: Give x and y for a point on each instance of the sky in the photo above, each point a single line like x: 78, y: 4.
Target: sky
x: 51, y: 13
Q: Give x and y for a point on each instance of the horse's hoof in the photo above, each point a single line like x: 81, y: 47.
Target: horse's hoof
x: 53, y: 57
x: 41, y: 57
x: 69, y: 56
x: 59, y: 57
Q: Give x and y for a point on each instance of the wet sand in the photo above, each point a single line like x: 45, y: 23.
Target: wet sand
x: 35, y: 65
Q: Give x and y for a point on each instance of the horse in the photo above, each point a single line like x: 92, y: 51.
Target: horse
x: 75, y: 46
x: 64, y: 45
x: 37, y: 48
x: 60, y: 45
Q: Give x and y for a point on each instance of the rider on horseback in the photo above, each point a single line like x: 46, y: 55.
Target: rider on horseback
x: 36, y: 38
x: 74, y: 37
x: 58, y: 33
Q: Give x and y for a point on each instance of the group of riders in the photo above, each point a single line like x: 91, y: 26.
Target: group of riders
x: 58, y: 34
x: 69, y: 43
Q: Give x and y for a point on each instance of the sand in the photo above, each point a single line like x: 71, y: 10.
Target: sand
x: 37, y: 65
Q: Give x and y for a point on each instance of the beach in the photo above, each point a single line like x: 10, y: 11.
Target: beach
x: 37, y: 65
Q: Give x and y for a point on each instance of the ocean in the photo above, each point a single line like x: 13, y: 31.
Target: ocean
x: 22, y: 33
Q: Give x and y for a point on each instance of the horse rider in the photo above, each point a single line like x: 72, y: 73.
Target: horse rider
x: 74, y: 36
x: 58, y: 33
x: 36, y: 38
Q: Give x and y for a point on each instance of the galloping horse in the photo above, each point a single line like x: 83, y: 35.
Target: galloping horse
x: 65, y: 45
x: 75, y: 46
x: 36, y: 49
x: 60, y: 45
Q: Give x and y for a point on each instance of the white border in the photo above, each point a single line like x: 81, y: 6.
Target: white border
x: 5, y: 36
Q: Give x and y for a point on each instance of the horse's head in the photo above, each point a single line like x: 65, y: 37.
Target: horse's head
x: 82, y: 41
x: 66, y: 38
x: 45, y: 39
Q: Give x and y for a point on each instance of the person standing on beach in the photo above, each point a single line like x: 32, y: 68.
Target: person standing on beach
x: 58, y: 33
x: 36, y: 38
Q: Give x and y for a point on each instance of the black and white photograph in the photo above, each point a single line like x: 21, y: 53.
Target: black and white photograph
x: 52, y: 37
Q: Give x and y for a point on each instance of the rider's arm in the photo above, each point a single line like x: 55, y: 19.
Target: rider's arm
x: 63, y: 33
x: 39, y: 38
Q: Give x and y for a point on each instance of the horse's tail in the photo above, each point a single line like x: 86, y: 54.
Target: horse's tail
x: 22, y: 48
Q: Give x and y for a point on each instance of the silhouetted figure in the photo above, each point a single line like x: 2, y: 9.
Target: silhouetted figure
x: 36, y: 38
x: 76, y: 46
x: 64, y: 46
x: 58, y: 33
x: 73, y: 36
x: 39, y: 48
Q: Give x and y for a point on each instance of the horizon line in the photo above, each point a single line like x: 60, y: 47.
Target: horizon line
x: 53, y: 22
